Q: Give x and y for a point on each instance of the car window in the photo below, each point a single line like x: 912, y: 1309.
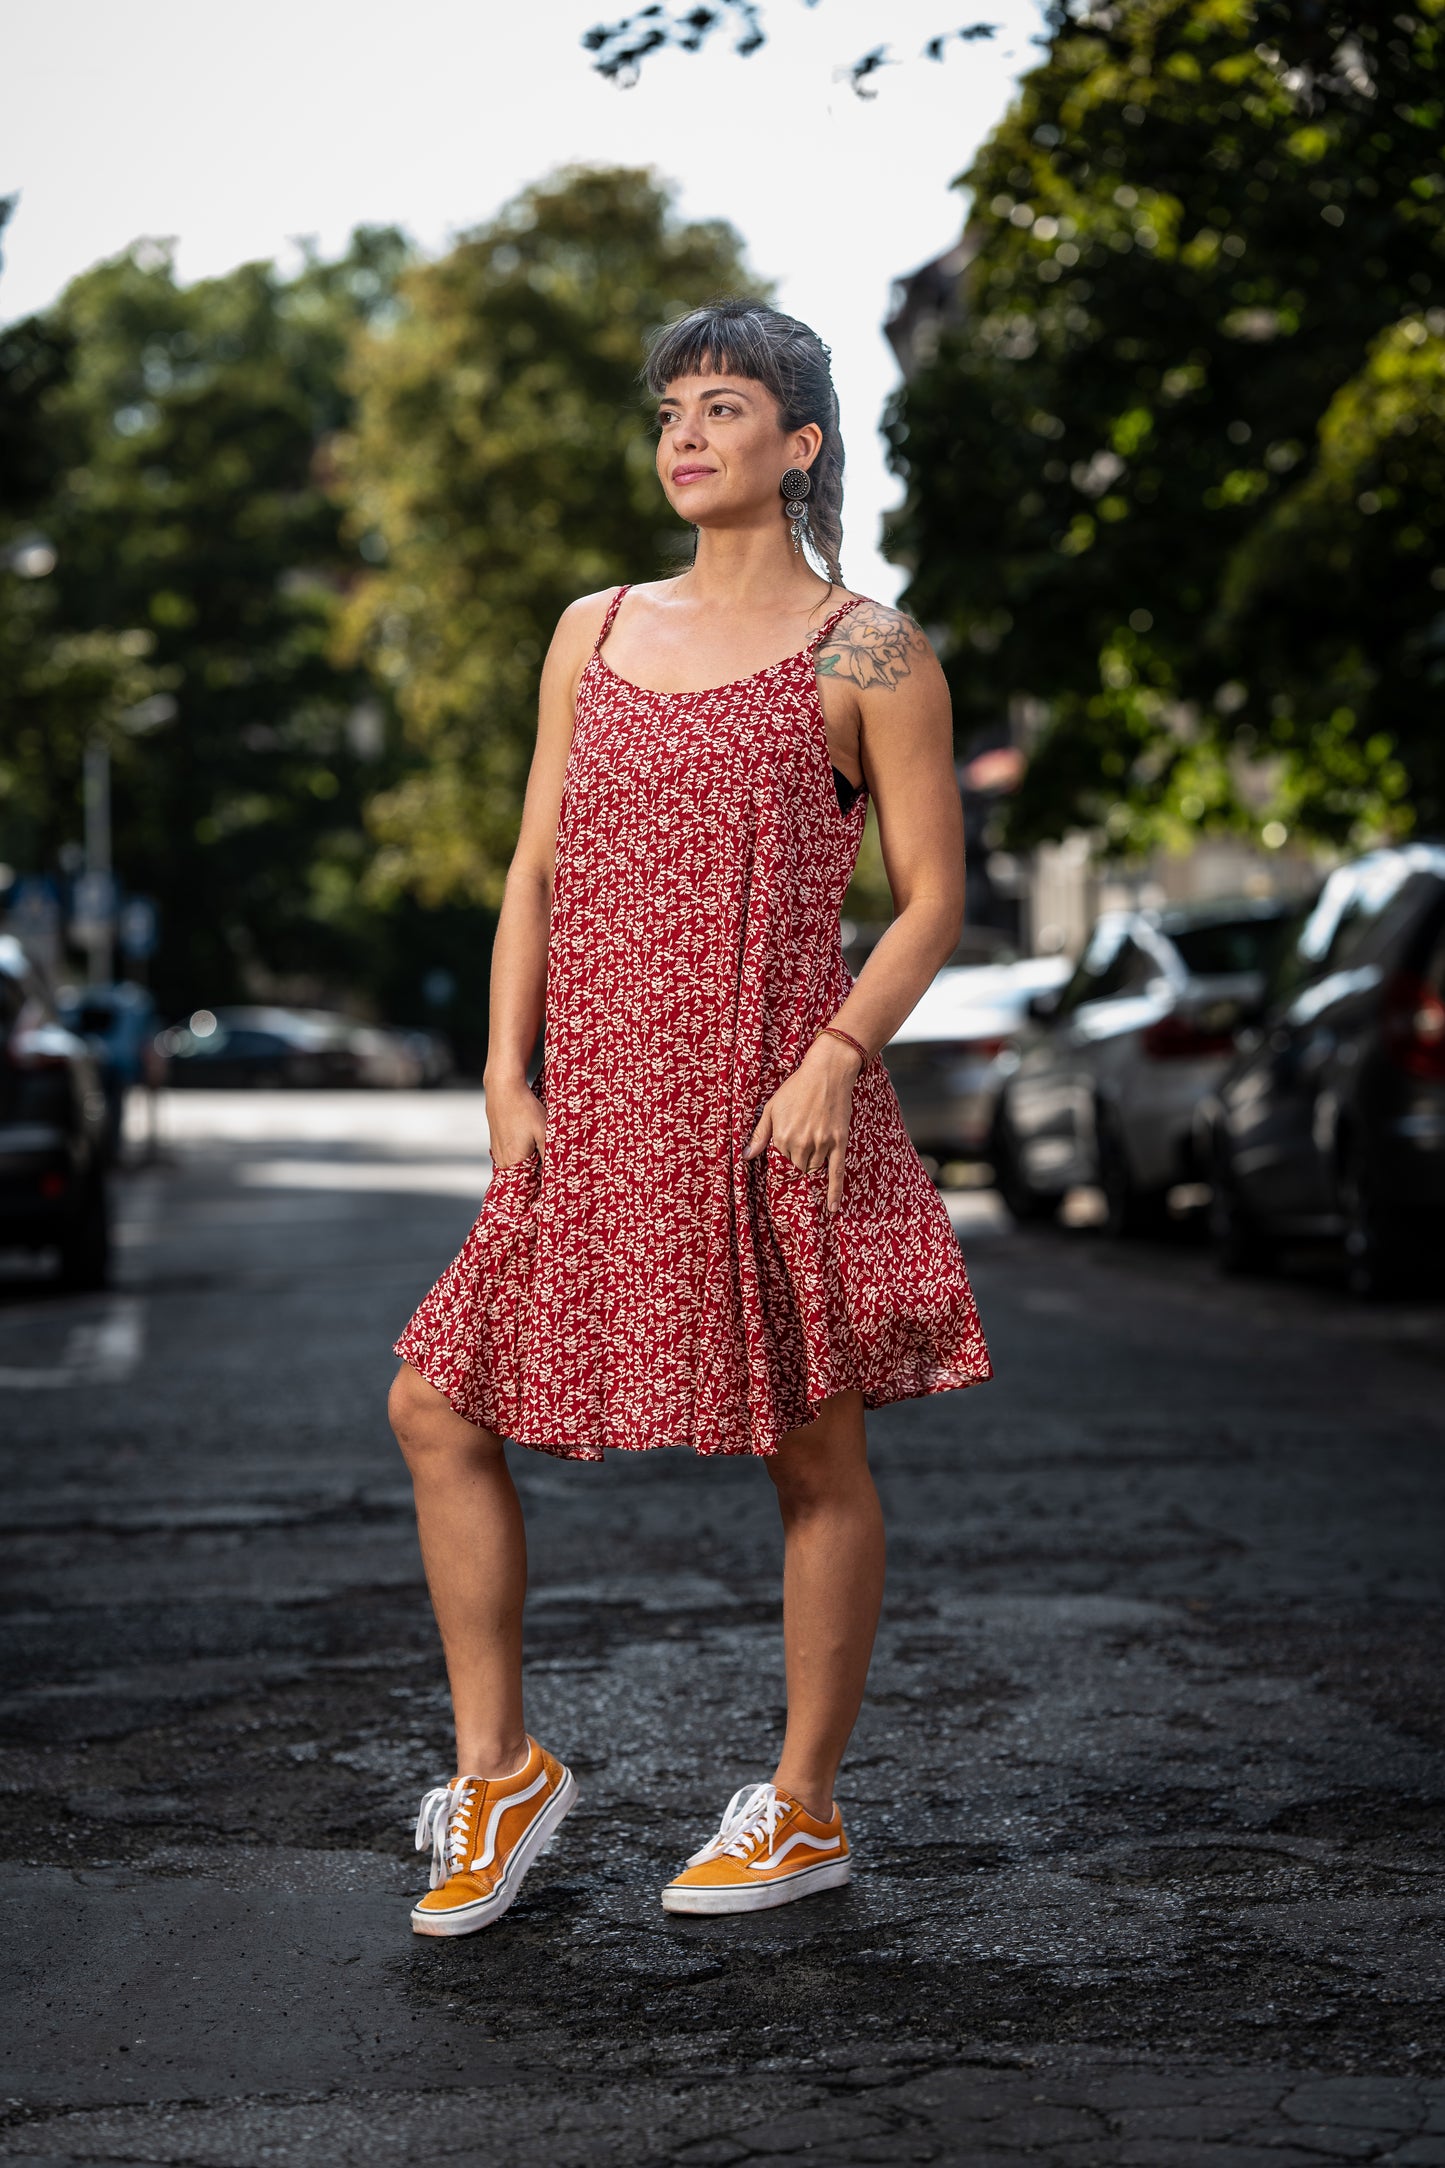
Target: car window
x: 1093, y: 967
x: 1229, y: 946
x: 1361, y: 910
x: 1433, y: 971
x: 1353, y: 899
x: 242, y: 1045
x: 1128, y: 971
x: 1136, y: 969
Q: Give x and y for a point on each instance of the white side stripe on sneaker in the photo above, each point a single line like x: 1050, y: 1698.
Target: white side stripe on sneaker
x: 494, y: 1818
x: 799, y: 1836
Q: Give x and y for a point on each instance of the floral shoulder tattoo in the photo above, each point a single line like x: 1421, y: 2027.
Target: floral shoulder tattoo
x: 874, y: 648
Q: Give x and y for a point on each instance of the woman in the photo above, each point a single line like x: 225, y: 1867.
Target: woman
x: 706, y: 1224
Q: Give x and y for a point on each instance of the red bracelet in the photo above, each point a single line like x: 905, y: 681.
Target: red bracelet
x: 833, y: 1031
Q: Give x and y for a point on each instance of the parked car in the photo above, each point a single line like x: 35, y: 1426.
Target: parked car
x: 1330, y: 1122
x: 1107, y: 1078
x: 385, y: 1059
x: 947, y: 1060
x: 433, y: 1052
x: 400, y: 1059
x: 242, y: 1047
x: 52, y: 1130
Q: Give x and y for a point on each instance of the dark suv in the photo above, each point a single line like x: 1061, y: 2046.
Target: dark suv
x: 52, y: 1130
x: 1331, y: 1120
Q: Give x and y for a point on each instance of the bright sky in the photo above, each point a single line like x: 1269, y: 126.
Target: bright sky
x: 238, y: 128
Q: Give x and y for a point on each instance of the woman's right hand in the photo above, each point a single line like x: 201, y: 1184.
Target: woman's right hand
x: 516, y: 1123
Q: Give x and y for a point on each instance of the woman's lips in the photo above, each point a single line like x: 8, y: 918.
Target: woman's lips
x: 690, y: 474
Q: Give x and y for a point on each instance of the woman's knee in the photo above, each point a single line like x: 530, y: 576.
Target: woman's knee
x: 802, y: 1487
x: 427, y: 1427
x: 821, y: 1466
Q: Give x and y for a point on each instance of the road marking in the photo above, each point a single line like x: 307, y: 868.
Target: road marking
x: 102, y: 1350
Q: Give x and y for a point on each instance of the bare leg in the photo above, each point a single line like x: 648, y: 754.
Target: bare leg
x: 832, y: 1592
x: 474, y: 1549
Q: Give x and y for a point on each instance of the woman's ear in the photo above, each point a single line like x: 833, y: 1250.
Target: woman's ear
x: 807, y: 443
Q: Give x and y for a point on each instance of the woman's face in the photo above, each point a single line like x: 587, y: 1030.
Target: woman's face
x: 722, y: 450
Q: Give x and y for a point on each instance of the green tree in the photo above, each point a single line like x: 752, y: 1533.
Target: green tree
x: 192, y: 530
x: 57, y: 686
x: 1335, y: 602
x: 1196, y: 225
x: 499, y: 467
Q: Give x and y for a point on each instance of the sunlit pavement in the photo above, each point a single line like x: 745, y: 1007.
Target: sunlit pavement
x: 1147, y: 1799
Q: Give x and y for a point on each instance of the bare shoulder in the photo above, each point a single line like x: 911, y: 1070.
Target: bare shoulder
x: 876, y: 648
x: 581, y: 621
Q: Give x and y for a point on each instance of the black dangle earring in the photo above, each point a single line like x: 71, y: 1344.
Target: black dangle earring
x: 796, y: 487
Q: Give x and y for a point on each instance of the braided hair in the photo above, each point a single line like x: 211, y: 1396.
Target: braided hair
x: 747, y: 338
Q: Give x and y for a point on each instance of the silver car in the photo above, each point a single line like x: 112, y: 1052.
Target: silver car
x: 949, y: 1058
x: 1106, y: 1081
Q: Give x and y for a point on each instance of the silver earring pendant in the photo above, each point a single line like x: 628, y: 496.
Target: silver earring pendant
x: 796, y: 486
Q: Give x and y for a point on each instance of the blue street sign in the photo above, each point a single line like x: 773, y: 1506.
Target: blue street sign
x: 138, y: 928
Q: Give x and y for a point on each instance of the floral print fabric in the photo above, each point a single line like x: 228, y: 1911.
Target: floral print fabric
x: 642, y: 1284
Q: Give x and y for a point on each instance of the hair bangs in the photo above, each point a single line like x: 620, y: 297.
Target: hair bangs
x: 712, y: 341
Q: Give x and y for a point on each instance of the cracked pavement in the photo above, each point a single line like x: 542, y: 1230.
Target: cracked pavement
x: 1146, y: 1799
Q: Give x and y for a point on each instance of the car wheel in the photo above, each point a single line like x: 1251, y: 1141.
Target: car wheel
x: 85, y: 1248
x: 1378, y: 1259
x: 1241, y: 1246
x: 1129, y: 1210
x: 1025, y: 1203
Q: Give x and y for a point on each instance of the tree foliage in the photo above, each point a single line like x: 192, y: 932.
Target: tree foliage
x: 621, y: 49
x: 498, y: 467
x: 197, y: 561
x: 1174, y: 476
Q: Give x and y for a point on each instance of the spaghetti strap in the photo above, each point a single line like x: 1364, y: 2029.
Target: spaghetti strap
x: 607, y: 620
x: 829, y: 624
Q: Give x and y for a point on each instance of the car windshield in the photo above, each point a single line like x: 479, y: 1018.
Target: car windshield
x: 1229, y: 945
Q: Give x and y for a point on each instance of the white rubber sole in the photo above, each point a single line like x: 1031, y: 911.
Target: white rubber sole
x: 831, y: 1874
x: 467, y: 1919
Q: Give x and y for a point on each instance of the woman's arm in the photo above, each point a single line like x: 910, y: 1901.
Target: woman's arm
x: 516, y: 1119
x: 906, y: 743
x: 906, y: 747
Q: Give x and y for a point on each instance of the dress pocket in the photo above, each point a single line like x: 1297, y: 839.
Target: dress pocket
x: 511, y: 1187
x: 779, y: 1163
x: 815, y: 1319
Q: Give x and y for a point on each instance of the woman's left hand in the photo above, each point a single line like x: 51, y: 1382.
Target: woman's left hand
x: 809, y: 1115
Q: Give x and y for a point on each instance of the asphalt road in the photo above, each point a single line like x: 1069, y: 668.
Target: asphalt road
x: 1146, y: 1800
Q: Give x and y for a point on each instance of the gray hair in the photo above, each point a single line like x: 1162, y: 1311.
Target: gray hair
x: 746, y: 338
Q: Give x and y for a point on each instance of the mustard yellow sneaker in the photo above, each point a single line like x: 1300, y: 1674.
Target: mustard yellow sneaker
x: 768, y: 1850
x: 485, y: 1832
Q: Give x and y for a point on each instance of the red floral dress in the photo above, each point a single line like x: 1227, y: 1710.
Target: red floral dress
x: 642, y: 1284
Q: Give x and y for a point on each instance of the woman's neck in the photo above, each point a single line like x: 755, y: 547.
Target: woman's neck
x: 752, y: 568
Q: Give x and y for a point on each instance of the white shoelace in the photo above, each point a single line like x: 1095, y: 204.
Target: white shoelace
x: 443, y: 1824
x: 750, y: 1814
